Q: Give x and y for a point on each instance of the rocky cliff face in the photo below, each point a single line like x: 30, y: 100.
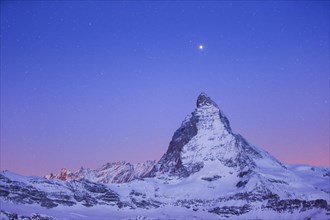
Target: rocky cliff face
x: 205, y: 137
x: 207, y: 172
x: 206, y: 116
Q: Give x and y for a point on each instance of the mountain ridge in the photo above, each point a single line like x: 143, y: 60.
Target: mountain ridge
x: 207, y: 172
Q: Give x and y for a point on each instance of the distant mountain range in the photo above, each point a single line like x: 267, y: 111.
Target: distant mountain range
x: 208, y: 172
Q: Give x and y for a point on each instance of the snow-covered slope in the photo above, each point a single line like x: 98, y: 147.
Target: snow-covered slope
x: 207, y: 172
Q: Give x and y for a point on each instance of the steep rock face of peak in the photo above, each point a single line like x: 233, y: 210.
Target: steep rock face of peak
x: 206, y: 106
x: 205, y: 135
x: 205, y: 100
x: 171, y: 161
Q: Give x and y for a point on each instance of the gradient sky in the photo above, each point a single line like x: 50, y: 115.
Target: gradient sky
x: 85, y: 83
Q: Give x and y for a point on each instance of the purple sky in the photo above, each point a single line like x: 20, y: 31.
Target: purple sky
x: 85, y: 83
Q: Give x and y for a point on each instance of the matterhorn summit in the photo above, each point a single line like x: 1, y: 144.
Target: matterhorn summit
x: 204, y: 100
x: 207, y: 172
x: 206, y: 140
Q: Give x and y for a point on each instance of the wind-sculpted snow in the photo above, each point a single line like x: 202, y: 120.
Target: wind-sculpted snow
x: 207, y: 172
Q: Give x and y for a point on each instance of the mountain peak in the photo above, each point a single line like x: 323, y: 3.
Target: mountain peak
x: 205, y: 100
x: 207, y: 172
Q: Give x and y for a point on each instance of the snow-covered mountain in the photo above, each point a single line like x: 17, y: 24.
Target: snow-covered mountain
x: 117, y: 172
x: 207, y: 172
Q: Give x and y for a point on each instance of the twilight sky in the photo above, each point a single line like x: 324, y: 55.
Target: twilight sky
x: 85, y: 83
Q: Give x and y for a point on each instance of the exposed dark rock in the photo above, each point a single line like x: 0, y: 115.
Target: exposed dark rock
x: 94, y: 188
x: 11, y: 216
x: 64, y: 202
x: 244, y: 173
x: 135, y: 193
x: 203, y: 100
x: 3, y: 193
x: 252, y: 196
x: 110, y: 197
x: 146, y: 204
x: 171, y: 161
x: 4, y: 179
x: 327, y: 174
x: 210, y: 179
x: 290, y: 205
x: 277, y: 181
x: 227, y: 211
x: 36, y: 216
x: 241, y: 184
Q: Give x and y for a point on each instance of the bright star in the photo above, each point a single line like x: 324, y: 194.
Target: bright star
x: 201, y: 47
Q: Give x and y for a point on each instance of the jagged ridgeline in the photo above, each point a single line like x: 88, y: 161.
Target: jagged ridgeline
x: 208, y: 171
